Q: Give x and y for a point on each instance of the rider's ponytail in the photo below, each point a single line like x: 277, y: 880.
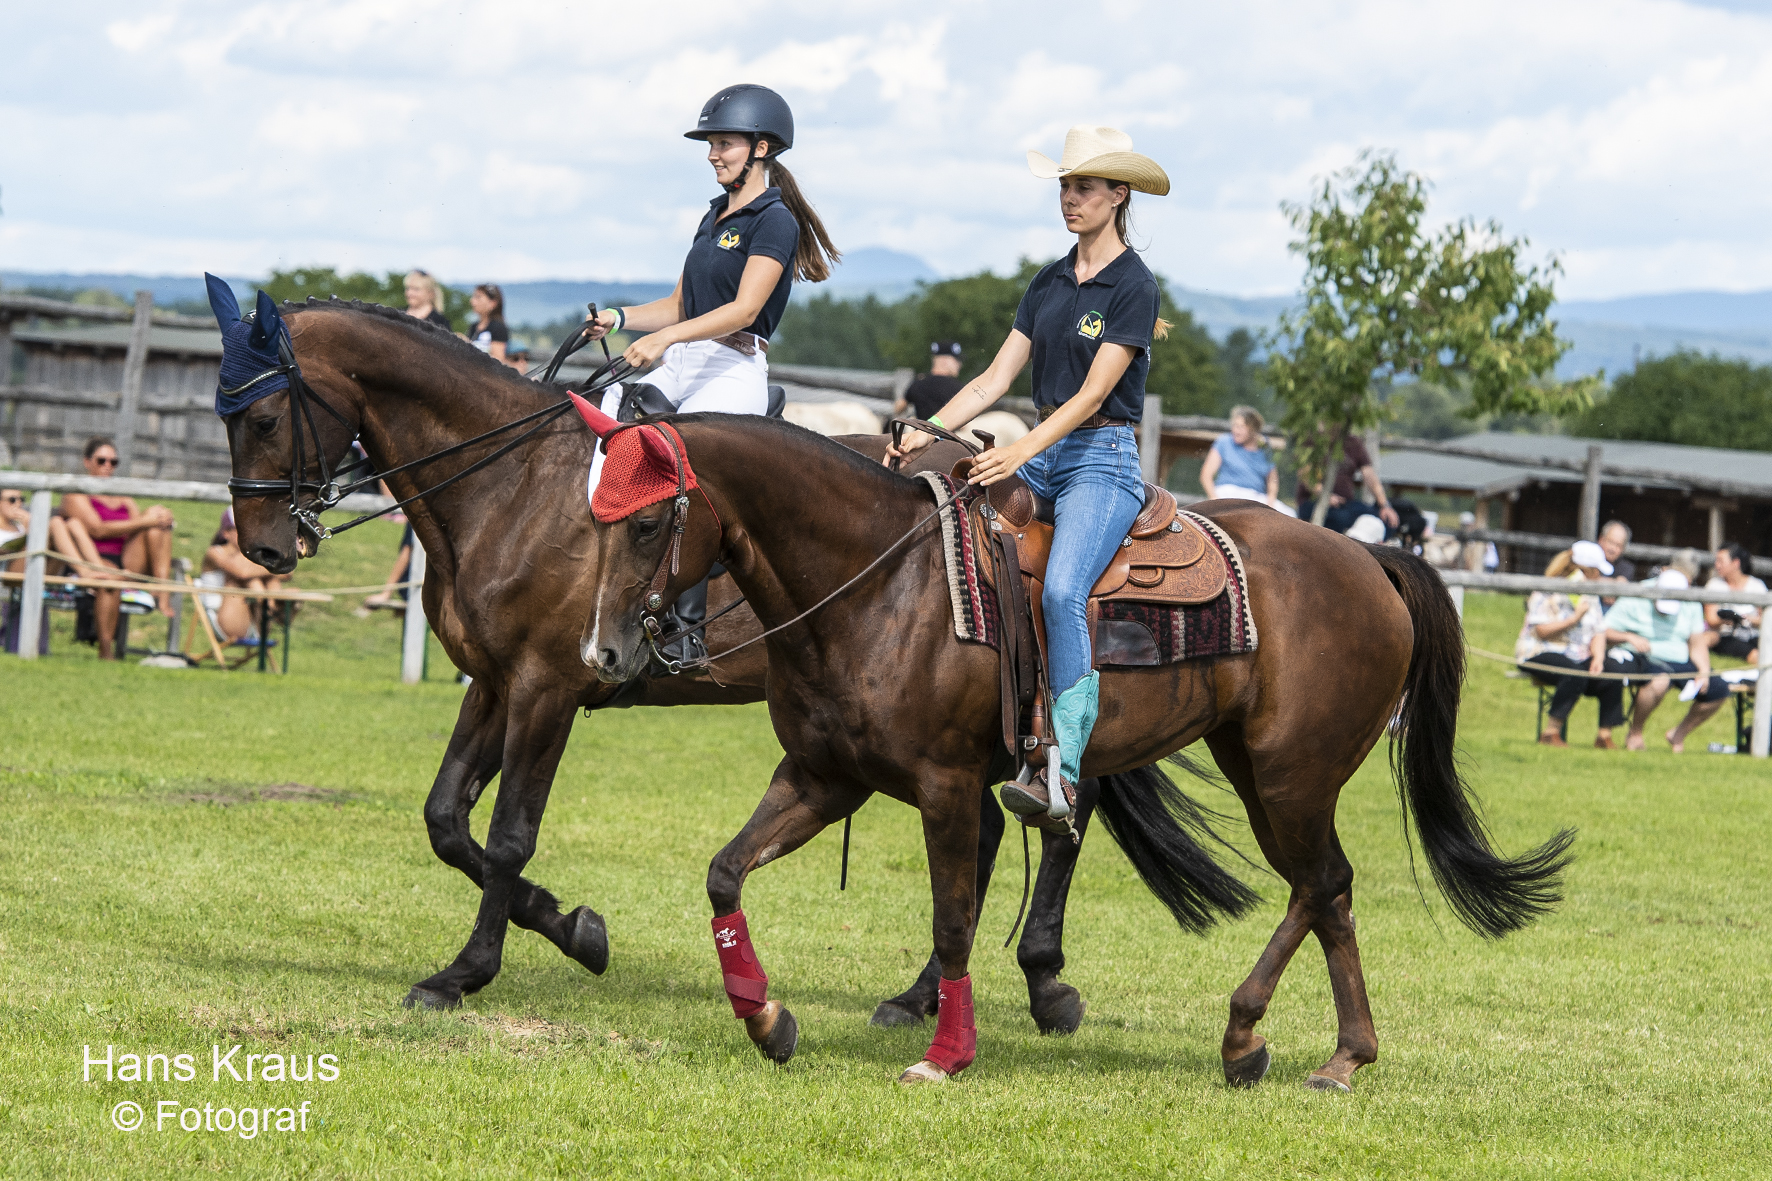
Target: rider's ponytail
x: 816, y: 253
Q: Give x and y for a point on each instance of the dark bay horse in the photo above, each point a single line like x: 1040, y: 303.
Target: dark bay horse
x: 510, y: 552
x: 871, y: 693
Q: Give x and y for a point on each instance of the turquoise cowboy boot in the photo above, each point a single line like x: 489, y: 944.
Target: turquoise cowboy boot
x: 1073, y: 718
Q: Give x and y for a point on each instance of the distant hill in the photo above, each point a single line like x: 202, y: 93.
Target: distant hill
x: 1609, y: 334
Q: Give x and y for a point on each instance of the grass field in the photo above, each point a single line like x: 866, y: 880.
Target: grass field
x: 197, y: 859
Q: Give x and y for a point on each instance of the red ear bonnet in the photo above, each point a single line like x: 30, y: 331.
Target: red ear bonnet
x: 639, y: 466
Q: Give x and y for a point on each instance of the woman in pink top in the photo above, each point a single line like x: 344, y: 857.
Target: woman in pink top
x: 125, y: 536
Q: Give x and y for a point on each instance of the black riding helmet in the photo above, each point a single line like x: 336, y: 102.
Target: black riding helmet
x: 755, y: 112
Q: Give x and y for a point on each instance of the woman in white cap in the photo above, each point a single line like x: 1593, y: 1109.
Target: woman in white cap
x: 705, y: 345
x: 1086, y: 322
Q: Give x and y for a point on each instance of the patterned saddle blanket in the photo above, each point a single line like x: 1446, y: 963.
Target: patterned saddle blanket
x: 1179, y: 594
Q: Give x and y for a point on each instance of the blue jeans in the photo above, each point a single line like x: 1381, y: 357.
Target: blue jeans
x: 1097, y: 488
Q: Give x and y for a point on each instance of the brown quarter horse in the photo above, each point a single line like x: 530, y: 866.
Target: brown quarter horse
x: 507, y: 589
x: 871, y: 693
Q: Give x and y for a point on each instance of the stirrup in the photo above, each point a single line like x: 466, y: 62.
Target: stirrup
x: 1029, y: 797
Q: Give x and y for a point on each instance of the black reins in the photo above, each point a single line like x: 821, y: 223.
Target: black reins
x: 328, y: 491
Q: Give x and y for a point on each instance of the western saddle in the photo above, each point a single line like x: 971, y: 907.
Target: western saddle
x: 1159, y: 563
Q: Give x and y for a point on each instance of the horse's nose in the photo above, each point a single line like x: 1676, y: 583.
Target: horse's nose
x: 272, y: 559
x: 609, y: 658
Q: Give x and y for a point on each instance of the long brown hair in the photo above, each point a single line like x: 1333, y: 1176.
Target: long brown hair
x: 816, y: 254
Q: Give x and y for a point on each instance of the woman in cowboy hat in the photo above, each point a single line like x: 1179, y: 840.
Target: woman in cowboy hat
x: 709, y: 338
x: 1086, y: 322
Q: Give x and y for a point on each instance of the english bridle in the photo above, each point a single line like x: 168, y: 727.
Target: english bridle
x: 326, y: 492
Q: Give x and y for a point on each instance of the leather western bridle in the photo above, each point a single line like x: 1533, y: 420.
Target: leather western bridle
x: 329, y: 489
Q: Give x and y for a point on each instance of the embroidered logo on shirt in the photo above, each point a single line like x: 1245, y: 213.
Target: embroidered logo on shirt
x: 728, y: 240
x: 1090, y: 325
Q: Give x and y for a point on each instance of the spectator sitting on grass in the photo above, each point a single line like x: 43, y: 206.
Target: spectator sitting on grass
x: 1614, y: 536
x: 1559, y: 631
x: 1664, y: 638
x: 65, y: 537
x: 1734, y: 629
x: 225, y: 565
x: 124, y: 535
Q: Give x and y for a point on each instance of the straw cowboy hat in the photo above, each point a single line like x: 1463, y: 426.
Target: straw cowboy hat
x: 1103, y: 152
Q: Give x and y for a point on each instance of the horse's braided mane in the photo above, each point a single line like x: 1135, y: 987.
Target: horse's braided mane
x: 412, y: 323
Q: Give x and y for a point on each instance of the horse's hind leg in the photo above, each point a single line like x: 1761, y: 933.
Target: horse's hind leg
x: 921, y: 998
x: 1056, y: 1007
x: 1309, y: 858
x: 475, y: 754
x: 1356, y: 1041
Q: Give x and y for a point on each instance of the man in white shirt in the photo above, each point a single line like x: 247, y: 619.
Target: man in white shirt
x: 1734, y: 630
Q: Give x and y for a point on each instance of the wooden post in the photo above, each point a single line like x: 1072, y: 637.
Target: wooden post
x: 412, y: 644
x: 1716, y: 526
x: 135, y: 363
x: 1150, y: 439
x: 1762, y: 709
x: 5, y: 348
x: 30, y: 603
x: 1457, y: 599
x: 1588, y: 527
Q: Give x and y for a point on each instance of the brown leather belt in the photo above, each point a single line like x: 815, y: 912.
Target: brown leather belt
x: 747, y: 343
x: 1093, y: 422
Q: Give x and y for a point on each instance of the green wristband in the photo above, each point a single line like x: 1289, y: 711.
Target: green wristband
x: 935, y: 420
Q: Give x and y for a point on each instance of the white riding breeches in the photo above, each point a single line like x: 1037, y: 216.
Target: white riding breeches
x: 699, y: 376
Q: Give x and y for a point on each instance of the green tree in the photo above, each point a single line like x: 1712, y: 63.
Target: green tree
x: 1702, y: 401
x: 843, y: 333
x: 325, y: 282
x: 1185, y: 368
x: 1383, y: 302
x: 976, y: 310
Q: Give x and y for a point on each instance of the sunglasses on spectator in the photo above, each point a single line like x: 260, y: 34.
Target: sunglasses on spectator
x: 12, y: 500
x: 105, y: 460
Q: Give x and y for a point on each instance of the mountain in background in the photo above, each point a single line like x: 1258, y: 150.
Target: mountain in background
x: 1610, y: 334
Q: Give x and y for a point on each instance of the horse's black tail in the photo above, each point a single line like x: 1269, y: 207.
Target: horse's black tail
x: 1491, y: 894
x: 1158, y: 826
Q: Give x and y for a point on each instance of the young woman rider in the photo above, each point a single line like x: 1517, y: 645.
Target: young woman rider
x: 1086, y: 322
x: 706, y: 343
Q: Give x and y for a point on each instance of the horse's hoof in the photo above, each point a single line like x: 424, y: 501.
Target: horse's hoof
x: 1248, y: 1070
x: 589, y: 944
x: 430, y: 998
x: 1333, y: 1086
x: 922, y: 1072
x: 774, y: 1032
x: 891, y: 1015
x: 1062, y: 1012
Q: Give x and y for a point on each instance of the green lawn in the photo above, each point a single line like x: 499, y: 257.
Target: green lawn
x: 154, y: 901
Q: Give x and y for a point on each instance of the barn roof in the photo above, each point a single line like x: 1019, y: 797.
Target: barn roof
x: 1511, y: 461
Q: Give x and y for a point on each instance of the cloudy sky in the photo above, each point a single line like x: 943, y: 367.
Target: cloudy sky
x: 541, y: 139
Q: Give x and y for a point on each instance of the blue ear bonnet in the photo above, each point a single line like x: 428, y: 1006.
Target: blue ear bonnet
x: 249, y: 349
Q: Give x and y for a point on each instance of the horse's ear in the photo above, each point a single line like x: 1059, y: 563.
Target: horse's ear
x: 659, y: 453
x: 268, y: 325
x: 221, y: 300
x: 598, y: 421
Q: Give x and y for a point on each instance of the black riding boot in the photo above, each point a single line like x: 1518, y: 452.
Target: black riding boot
x: 686, y: 615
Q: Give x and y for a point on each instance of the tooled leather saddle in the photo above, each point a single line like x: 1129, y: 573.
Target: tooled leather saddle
x: 1158, y: 562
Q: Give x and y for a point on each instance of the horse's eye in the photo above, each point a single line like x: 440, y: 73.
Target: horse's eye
x: 648, y: 529
x: 264, y: 428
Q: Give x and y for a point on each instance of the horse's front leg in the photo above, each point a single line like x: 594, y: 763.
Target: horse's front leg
x: 475, y: 754
x: 796, y: 808
x: 950, y: 834
x: 534, y: 739
x: 919, y: 1000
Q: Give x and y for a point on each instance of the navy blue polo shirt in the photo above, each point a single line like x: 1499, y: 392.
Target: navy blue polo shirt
x: 721, y: 249
x: 1067, y: 324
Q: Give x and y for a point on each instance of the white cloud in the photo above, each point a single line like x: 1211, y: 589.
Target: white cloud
x: 543, y: 137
